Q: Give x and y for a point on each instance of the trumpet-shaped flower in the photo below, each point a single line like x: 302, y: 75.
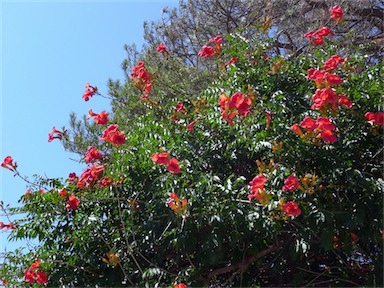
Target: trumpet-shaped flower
x: 89, y: 92
x: 9, y: 164
x: 92, y: 155
x: 291, y: 183
x: 291, y: 208
x: 56, y: 134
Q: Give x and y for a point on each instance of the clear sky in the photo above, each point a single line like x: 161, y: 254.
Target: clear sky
x: 49, y: 51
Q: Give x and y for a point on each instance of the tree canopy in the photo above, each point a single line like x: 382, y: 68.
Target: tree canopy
x: 244, y: 148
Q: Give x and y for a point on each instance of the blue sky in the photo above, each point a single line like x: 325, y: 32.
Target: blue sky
x: 49, y: 51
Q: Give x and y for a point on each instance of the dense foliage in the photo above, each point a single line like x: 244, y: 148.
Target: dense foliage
x: 253, y: 169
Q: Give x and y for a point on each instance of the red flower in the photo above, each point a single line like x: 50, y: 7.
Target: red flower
x: 217, y: 40
x: 324, y: 123
x: 173, y: 166
x: 56, y: 134
x: 63, y: 192
x: 343, y: 100
x: 72, y: 177
x: 181, y: 285
x: 258, y: 182
x: 308, y: 123
x: 296, y: 129
x: 324, y: 31
x: 316, y: 37
x: 100, y: 119
x: 328, y: 136
x: 242, y: 104
x: 291, y: 183
x: 336, y: 13
x: 113, y: 136
x: 161, y: 48
x: 375, y: 118
x: 333, y: 62
x: 29, y: 276
x: 9, y: 164
x: 291, y: 208
x: 333, y: 79
x: 90, y: 175
x: 180, y: 107
x: 207, y: 52
x: 35, y: 265
x: 105, y: 182
x: 89, y: 92
x: 73, y: 202
x: 41, y: 278
x: 92, y: 155
x: 160, y: 158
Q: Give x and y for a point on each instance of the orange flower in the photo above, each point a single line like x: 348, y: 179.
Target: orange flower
x: 180, y: 207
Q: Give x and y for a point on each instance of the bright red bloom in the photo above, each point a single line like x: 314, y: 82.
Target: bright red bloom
x: 258, y: 182
x: 328, y: 136
x: 327, y: 99
x: 308, y: 123
x: 291, y: 208
x: 316, y: 37
x: 291, y: 183
x: 375, y: 118
x: 73, y: 202
x: 29, y: 276
x: 92, y: 155
x: 56, y: 134
x: 63, y: 192
x: 100, y: 119
x: 9, y: 164
x: 90, y: 175
x: 173, y: 166
x: 324, y: 123
x: 160, y: 158
x: 35, y: 265
x: 162, y: 48
x: 333, y: 62
x: 242, y: 104
x: 179, y: 285
x: 113, y: 136
x: 336, y: 13
x: 333, y: 79
x: 343, y: 100
x: 324, y: 31
x: 217, y: 40
x: 105, y: 182
x: 41, y: 278
x: 89, y: 92
x: 206, y: 51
